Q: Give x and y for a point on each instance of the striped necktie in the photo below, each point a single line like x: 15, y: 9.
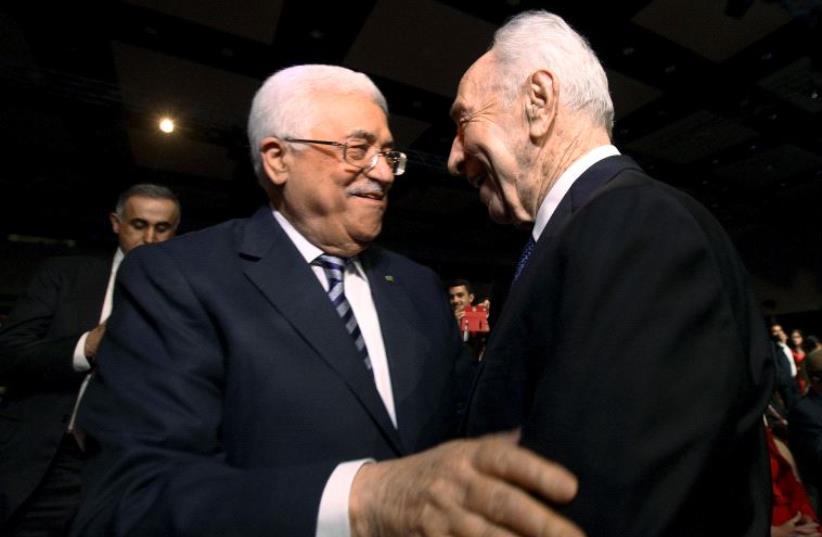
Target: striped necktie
x: 334, y: 267
x: 526, y: 253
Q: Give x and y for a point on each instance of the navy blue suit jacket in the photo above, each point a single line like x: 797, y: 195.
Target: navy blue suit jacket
x: 631, y: 351
x: 63, y: 300
x: 228, y: 388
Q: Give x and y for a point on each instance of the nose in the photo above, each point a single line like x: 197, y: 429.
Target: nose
x: 456, y: 159
x: 149, y: 235
x: 381, y: 171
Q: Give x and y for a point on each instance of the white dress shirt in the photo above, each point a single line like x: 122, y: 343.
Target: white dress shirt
x: 332, y: 519
x: 80, y: 361
x: 789, y: 357
x: 564, y: 182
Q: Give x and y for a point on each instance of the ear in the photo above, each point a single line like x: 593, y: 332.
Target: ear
x: 542, y: 98
x: 272, y: 153
x: 115, y: 223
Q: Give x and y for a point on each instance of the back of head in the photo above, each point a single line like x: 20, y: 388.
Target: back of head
x: 541, y: 40
x: 283, y: 107
x: 813, y: 364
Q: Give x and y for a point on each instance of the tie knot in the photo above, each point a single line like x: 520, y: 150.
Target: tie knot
x: 332, y: 265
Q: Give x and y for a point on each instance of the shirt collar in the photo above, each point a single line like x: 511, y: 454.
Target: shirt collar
x: 306, y: 249
x: 118, y: 258
x: 563, y: 185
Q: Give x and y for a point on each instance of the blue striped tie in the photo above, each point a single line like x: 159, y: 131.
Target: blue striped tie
x: 526, y: 253
x: 334, y: 267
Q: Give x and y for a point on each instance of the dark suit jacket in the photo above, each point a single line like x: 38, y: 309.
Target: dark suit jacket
x: 631, y: 351
x: 805, y: 437
x: 228, y: 388
x: 37, y: 344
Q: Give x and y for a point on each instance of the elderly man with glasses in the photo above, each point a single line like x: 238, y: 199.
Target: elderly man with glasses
x: 269, y: 375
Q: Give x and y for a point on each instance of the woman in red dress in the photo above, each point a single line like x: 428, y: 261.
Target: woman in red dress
x: 792, y: 513
x: 797, y: 345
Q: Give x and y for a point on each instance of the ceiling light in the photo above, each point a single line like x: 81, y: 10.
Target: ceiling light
x: 166, y: 125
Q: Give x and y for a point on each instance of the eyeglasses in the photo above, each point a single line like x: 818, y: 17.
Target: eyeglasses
x: 364, y: 156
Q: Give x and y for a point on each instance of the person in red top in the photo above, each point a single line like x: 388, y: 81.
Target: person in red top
x: 796, y: 344
x: 792, y: 513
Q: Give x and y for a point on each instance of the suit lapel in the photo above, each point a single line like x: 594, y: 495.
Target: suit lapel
x: 91, y: 291
x: 276, y: 268
x: 510, y: 321
x: 405, y: 347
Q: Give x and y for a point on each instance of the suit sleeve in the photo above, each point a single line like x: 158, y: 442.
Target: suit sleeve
x: 155, y: 412
x: 29, y: 353
x: 647, y: 377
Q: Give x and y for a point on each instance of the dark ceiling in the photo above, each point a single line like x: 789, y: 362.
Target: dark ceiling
x: 722, y: 99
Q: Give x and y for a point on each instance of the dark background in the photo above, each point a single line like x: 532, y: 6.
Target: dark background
x: 721, y: 99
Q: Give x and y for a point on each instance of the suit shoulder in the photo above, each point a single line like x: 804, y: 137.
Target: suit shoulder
x: 74, y: 265
x: 195, y: 244
x: 635, y: 194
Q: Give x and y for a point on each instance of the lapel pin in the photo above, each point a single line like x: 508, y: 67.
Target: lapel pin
x: 389, y: 278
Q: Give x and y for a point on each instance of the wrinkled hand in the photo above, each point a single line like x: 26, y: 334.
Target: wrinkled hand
x: 799, y: 525
x: 93, y: 340
x: 465, y: 487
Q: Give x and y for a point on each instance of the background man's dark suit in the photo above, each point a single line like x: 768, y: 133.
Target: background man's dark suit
x: 805, y: 435
x: 256, y: 390
x: 631, y: 351
x: 63, y: 301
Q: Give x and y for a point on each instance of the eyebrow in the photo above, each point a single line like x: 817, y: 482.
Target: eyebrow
x: 369, y: 137
x: 456, y: 110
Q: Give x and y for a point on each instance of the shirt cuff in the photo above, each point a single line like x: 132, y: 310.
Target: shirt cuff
x: 332, y: 520
x: 80, y: 362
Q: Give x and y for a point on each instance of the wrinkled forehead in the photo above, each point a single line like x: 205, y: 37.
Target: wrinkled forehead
x: 339, y: 116
x: 474, y: 83
x: 150, y: 209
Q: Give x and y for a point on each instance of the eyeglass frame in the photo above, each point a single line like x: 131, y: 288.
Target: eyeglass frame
x: 399, y: 169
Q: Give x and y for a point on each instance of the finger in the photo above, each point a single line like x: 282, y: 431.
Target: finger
x: 498, y: 456
x: 503, y: 505
x: 473, y: 525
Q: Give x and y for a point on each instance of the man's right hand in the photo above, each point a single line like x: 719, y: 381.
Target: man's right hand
x: 93, y: 341
x: 465, y: 487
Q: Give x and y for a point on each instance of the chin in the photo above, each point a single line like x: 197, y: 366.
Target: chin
x: 366, y: 237
x: 499, y: 215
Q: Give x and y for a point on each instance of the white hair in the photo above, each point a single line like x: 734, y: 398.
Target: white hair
x: 538, y: 39
x: 284, y: 104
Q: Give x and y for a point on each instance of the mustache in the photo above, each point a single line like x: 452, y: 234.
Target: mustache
x: 368, y: 187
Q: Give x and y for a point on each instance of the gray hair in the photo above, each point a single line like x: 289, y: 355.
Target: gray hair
x: 147, y: 190
x: 284, y: 104
x: 539, y: 39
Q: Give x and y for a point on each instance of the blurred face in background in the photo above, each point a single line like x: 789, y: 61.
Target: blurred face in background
x: 460, y: 297
x: 796, y: 339
x: 145, y: 220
